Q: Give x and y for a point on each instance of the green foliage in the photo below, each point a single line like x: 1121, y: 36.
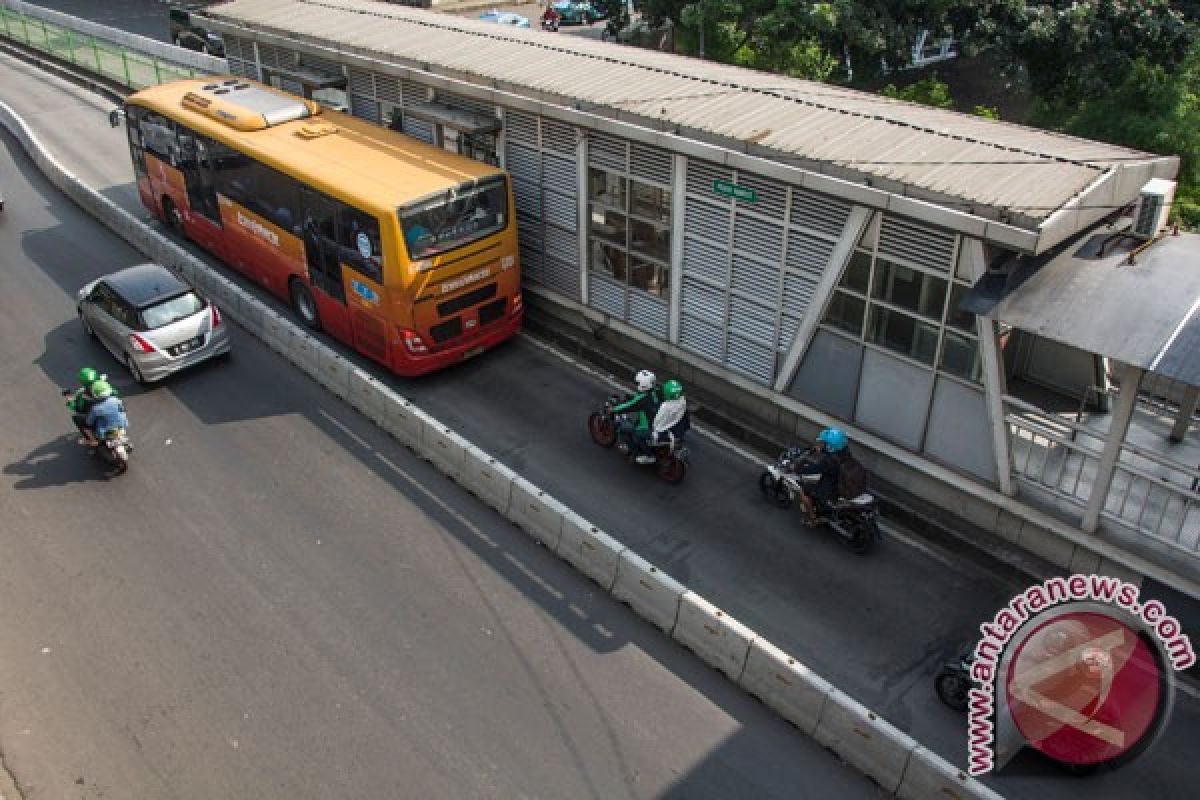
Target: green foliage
x: 987, y: 112
x: 928, y: 91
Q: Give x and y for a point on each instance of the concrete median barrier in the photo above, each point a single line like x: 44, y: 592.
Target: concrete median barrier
x: 719, y: 639
x: 589, y: 549
x: 648, y: 590
x: 365, y: 394
x: 488, y: 479
x: 247, y: 312
x: 277, y: 333
x: 797, y: 693
x: 403, y: 420
x: 929, y: 775
x: 536, y: 512
x: 302, y: 351
x: 871, y: 744
x: 333, y: 372
x: 444, y: 448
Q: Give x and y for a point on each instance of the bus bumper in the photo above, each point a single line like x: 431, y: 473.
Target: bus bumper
x: 409, y: 365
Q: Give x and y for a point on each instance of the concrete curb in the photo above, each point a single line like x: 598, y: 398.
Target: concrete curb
x: 865, y: 740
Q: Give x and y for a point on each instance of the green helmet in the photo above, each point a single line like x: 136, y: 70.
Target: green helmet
x: 88, y: 376
x: 102, y: 390
x: 672, y: 390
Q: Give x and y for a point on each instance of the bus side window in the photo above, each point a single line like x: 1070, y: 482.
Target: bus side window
x: 133, y: 126
x: 358, y: 236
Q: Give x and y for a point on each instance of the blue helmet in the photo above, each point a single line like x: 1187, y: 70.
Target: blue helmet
x: 834, y: 439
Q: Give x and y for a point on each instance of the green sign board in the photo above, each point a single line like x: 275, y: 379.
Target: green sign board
x: 728, y: 189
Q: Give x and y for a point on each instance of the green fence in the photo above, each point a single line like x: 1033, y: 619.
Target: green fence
x: 132, y: 69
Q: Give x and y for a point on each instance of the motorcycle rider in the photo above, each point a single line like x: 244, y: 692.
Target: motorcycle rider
x: 644, y: 404
x: 107, y: 414
x: 550, y: 17
x: 81, y: 400
x: 673, y: 418
x: 824, y: 464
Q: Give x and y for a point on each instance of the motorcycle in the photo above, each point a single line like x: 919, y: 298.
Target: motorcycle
x: 114, y: 448
x: 550, y: 25
x: 855, y: 519
x: 671, y: 457
x: 953, y: 681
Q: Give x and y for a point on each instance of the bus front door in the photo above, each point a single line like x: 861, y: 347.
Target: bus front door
x: 322, y: 254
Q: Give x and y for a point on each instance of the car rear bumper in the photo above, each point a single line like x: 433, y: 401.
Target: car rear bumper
x: 156, y: 366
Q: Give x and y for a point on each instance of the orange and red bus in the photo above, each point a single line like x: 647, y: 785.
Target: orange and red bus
x: 403, y: 250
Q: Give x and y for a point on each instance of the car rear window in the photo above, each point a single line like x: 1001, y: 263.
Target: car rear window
x: 172, y: 310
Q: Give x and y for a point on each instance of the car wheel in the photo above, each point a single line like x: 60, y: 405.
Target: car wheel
x: 87, y: 327
x: 134, y: 370
x: 304, y: 305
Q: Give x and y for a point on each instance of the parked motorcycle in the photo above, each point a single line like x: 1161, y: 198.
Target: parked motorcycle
x: 550, y: 25
x: 670, y: 457
x: 855, y: 519
x: 953, y: 681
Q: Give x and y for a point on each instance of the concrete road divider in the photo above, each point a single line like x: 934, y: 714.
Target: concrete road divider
x: 302, y: 351
x: 365, y: 394
x: 403, y: 421
x: 445, y: 449
x: 589, y: 549
x: 536, y: 512
x: 333, y: 371
x: 719, y: 639
x: 648, y: 590
x: 928, y: 775
x: 877, y: 748
x: 488, y: 479
x: 277, y: 333
x: 797, y: 693
x: 248, y: 312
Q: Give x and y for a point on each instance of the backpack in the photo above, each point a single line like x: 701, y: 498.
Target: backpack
x: 852, y: 478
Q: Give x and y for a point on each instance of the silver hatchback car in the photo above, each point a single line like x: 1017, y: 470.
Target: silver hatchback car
x: 154, y: 323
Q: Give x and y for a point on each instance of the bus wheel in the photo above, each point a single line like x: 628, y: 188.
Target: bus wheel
x: 173, y: 217
x: 304, y: 305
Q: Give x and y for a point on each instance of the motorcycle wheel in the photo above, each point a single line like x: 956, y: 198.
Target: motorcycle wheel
x: 671, y: 469
x: 772, y: 492
x: 952, y: 690
x: 603, y: 429
x: 864, y: 532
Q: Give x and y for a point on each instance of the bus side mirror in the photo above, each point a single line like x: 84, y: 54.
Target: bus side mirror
x: 114, y: 117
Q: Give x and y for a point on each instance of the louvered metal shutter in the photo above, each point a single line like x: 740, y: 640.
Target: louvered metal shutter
x: 916, y: 244
x: 411, y: 94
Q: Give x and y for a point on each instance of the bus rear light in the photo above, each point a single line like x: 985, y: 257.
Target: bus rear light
x: 414, y: 343
x: 515, y: 306
x: 140, y: 344
x: 216, y: 316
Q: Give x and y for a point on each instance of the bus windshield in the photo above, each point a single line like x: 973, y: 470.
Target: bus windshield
x: 462, y: 215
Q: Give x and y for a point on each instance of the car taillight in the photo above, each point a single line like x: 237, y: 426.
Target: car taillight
x: 414, y: 343
x: 216, y: 316
x: 514, y: 307
x: 140, y: 344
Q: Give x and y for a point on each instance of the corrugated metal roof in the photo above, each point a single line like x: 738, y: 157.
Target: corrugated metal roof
x: 1086, y: 294
x: 968, y: 160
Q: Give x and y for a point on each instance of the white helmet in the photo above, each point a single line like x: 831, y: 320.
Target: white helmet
x: 645, y: 380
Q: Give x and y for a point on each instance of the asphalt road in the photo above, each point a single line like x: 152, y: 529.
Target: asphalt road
x: 877, y: 627
x: 278, y: 601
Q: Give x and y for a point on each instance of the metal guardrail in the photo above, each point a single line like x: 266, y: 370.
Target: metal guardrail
x: 129, y: 59
x: 1150, y: 493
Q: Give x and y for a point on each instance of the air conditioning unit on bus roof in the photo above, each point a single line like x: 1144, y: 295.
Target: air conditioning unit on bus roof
x: 1152, y: 208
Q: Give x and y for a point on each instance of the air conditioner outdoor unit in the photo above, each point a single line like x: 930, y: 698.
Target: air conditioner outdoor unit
x: 1153, y: 206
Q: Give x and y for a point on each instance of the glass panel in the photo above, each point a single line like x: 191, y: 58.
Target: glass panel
x: 172, y: 310
x: 608, y: 260
x: 608, y: 225
x: 960, y: 356
x: 858, y: 272
x: 462, y: 215
x: 648, y: 277
x: 963, y: 320
x: 913, y: 337
x: 606, y: 188
x: 846, y: 313
x: 909, y: 288
x: 651, y: 202
x: 650, y: 240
